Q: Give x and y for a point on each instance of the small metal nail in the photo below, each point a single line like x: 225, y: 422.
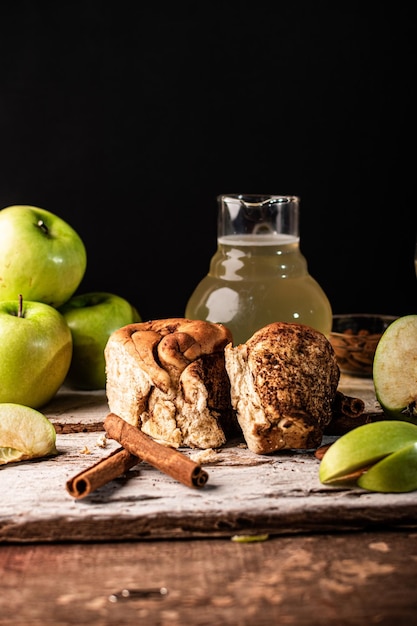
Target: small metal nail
x: 131, y: 594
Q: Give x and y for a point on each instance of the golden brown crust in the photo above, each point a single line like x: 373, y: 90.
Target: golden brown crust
x: 292, y: 364
x: 183, y: 382
x: 181, y: 385
x: 283, y: 384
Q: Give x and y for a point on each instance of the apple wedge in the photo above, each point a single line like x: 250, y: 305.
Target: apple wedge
x: 396, y: 473
x: 395, y: 369
x: 355, y: 452
x: 25, y: 434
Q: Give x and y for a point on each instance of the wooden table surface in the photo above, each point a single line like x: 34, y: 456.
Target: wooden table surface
x: 359, y: 578
x: 55, y: 569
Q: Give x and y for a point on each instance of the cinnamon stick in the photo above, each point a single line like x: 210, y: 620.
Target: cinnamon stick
x: 347, y: 405
x: 168, y: 460
x: 348, y: 412
x: 102, y: 472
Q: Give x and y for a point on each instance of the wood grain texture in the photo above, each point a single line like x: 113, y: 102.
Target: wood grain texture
x: 353, y: 579
x: 274, y: 494
x: 77, y: 411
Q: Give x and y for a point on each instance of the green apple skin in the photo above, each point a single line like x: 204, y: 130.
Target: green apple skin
x: 42, y: 257
x: 35, y: 353
x: 395, y: 369
x: 92, y: 318
x: 396, y: 473
x: 362, y: 447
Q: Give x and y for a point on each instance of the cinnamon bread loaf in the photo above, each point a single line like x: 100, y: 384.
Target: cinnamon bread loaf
x: 168, y: 378
x: 283, y: 386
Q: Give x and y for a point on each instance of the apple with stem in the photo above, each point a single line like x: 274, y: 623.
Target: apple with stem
x: 41, y: 256
x: 35, y: 352
x: 92, y: 317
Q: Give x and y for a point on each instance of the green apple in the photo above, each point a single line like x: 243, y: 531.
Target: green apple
x: 35, y: 352
x: 395, y: 369
x: 42, y: 257
x: 396, y: 473
x: 92, y: 318
x: 359, y: 449
x: 25, y: 433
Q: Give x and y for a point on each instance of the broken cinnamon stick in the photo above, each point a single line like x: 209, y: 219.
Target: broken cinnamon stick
x: 101, y: 473
x: 347, y: 405
x: 168, y: 460
x: 348, y: 412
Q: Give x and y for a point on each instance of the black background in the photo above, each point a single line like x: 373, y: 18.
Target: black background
x: 128, y: 120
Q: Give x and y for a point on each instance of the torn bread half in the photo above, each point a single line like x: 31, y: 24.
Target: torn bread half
x: 283, y: 384
x: 168, y: 378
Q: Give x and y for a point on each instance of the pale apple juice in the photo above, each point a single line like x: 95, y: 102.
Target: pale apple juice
x: 254, y: 280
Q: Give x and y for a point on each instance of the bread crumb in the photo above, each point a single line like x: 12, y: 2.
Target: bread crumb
x: 205, y: 456
x: 102, y: 441
x: 85, y: 450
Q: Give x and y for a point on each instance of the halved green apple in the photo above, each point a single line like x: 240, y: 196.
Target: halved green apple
x: 25, y: 433
x: 357, y: 451
x: 395, y: 369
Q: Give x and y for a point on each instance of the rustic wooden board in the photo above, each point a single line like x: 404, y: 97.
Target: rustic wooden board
x: 245, y: 493
x: 80, y: 411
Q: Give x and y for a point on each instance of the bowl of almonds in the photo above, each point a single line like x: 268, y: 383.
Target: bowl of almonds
x: 354, y: 338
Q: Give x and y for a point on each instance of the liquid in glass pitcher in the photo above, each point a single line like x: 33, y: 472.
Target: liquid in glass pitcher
x: 258, y: 274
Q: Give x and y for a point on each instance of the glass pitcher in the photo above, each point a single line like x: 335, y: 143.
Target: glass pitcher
x: 258, y: 274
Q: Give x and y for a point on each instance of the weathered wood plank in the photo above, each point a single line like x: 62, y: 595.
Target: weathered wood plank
x: 277, y: 494
x: 77, y: 411
x: 244, y: 494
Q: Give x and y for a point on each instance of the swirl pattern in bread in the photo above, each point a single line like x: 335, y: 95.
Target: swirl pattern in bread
x: 168, y: 378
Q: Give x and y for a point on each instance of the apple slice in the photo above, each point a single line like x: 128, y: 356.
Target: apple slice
x: 350, y: 455
x: 25, y: 433
x: 395, y: 369
x: 395, y: 473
